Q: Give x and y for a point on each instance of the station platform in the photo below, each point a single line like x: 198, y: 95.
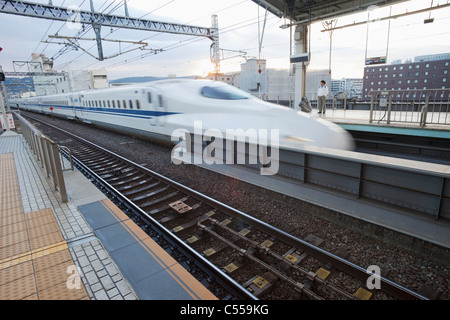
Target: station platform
x: 85, y: 249
x: 358, y: 120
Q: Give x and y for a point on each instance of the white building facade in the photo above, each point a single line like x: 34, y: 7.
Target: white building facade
x: 47, y: 81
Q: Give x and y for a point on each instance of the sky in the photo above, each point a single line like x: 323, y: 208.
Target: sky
x: 238, y: 27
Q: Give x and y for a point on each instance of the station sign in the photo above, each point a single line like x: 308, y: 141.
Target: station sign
x: 10, y: 120
x: 303, y: 57
x: 376, y: 60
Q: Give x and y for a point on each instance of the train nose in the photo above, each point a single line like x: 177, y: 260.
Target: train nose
x: 335, y: 137
x: 341, y: 140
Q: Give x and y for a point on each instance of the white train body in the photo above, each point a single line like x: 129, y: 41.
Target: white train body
x: 154, y: 110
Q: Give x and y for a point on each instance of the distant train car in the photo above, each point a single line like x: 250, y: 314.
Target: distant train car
x: 154, y: 110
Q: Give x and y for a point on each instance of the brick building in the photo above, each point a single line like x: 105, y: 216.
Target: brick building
x: 425, y: 72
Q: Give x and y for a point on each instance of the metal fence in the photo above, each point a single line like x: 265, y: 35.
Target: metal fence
x: 427, y: 106
x: 47, y: 153
x: 337, y: 102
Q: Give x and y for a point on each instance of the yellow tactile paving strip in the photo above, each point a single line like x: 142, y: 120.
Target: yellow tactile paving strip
x: 35, y: 262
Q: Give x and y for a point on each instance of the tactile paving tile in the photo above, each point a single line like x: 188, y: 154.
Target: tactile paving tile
x: 39, y: 218
x: 43, y: 229
x: 18, y: 289
x: 33, y: 253
x: 13, y: 238
x: 51, y: 260
x: 50, y: 277
x: 11, y: 204
x: 13, y: 195
x: 12, y: 228
x: 15, y: 249
x: 46, y: 240
x: 12, y: 211
x: 32, y: 297
x: 62, y: 292
x: 4, y: 221
x: 16, y: 272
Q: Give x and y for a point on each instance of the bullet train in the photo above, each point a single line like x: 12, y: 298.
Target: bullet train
x: 154, y: 110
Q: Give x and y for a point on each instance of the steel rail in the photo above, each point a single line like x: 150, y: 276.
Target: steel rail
x: 339, y: 263
x: 201, y: 262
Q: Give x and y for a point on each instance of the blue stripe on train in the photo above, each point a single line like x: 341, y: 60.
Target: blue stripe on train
x: 144, y: 114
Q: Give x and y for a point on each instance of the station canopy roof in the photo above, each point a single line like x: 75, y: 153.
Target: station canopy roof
x: 298, y: 11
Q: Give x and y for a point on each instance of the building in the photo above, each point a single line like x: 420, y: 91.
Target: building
x: 337, y: 86
x: 353, y: 87
x: 47, y: 81
x: 280, y: 85
x: 425, y: 72
x: 275, y: 85
x: 253, y: 77
x: 223, y: 77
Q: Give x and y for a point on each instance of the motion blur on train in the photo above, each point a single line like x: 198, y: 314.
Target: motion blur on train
x: 154, y: 110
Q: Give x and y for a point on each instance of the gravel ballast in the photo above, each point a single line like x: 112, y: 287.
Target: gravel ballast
x: 300, y: 219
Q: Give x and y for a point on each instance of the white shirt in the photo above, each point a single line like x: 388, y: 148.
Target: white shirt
x: 322, y: 91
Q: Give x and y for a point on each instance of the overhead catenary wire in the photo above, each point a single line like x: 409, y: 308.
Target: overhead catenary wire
x: 169, y: 47
x: 86, y: 30
x: 46, y: 32
x: 249, y: 22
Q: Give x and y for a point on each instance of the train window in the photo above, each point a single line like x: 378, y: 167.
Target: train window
x: 104, y: 104
x: 149, y: 94
x: 118, y: 104
x: 131, y: 104
x: 124, y: 104
x: 109, y: 104
x: 223, y: 93
x: 138, y: 105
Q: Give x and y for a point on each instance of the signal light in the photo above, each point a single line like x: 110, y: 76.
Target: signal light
x: 1, y: 49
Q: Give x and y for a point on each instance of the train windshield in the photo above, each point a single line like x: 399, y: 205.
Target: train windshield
x: 223, y: 93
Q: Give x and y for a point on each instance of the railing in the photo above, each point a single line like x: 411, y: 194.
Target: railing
x: 333, y: 103
x: 427, y: 106
x: 397, y: 184
x: 47, y: 153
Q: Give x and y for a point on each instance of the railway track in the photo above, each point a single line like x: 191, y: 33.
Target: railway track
x: 250, y: 258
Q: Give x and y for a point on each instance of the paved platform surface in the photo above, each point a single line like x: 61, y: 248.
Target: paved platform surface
x: 359, y: 120
x: 47, y: 247
x: 152, y: 272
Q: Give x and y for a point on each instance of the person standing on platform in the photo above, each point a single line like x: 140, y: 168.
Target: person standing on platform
x: 322, y: 93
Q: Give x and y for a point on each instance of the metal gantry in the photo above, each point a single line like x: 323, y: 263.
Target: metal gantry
x: 98, y: 20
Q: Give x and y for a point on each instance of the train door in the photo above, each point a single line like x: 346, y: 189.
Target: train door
x: 76, y: 104
x: 79, y: 106
x: 158, y: 106
x: 162, y: 104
